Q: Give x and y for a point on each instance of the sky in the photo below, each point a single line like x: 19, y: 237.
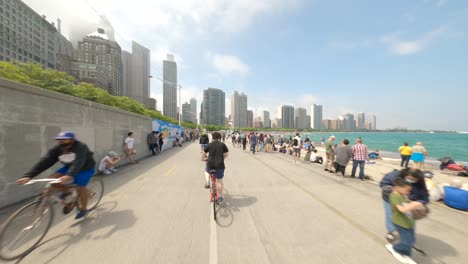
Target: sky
x: 404, y: 61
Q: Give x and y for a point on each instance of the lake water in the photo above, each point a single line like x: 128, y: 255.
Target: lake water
x: 437, y: 145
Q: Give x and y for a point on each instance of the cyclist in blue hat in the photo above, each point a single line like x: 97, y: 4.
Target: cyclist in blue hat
x: 78, y: 167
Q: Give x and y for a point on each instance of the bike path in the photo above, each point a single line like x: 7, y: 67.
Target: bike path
x: 275, y: 211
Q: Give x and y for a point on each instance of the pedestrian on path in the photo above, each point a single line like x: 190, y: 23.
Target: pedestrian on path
x: 244, y: 141
x: 297, y: 148
x: 419, y: 153
x: 204, y: 140
x: 343, y: 156
x: 253, y: 142
x: 405, y: 152
x: 359, y: 158
x: 152, y: 140
x: 330, y: 153
x: 161, y: 142
x: 130, y: 147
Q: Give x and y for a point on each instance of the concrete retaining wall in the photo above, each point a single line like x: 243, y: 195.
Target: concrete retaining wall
x: 30, y: 117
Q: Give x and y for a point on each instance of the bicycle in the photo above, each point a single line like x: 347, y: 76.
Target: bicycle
x: 213, y: 191
x: 22, y: 231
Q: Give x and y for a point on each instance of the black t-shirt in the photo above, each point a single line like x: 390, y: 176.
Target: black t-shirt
x: 216, y: 150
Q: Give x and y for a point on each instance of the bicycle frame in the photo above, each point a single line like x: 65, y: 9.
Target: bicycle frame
x: 47, y: 193
x: 214, y: 188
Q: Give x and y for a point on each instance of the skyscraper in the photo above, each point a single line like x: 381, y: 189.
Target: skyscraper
x: 170, y: 87
x: 300, y: 115
x: 193, y: 108
x: 372, y: 122
x: 239, y: 109
x: 361, y: 121
x: 136, y: 74
x: 186, y: 112
x: 316, y: 115
x: 249, y: 118
x: 97, y: 49
x: 286, y: 113
x: 349, y: 123
x: 308, y: 121
x: 213, y: 107
x: 265, y: 118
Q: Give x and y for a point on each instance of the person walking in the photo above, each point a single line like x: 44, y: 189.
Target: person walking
x: 130, y: 147
x: 330, y: 153
x: 359, y: 158
x: 244, y: 141
x: 405, y: 152
x: 297, y: 148
x: 253, y: 142
x: 161, y: 142
x: 204, y: 140
x: 152, y: 140
x: 418, y: 156
x: 343, y: 155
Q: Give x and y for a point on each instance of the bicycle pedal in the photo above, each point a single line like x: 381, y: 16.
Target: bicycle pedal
x: 68, y: 208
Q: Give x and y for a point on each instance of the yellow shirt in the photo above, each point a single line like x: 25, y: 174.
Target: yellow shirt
x: 405, y: 150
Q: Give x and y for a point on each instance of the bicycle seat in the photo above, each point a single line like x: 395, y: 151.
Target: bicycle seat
x: 212, y: 171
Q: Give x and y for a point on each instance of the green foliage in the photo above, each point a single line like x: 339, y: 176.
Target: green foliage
x: 36, y: 75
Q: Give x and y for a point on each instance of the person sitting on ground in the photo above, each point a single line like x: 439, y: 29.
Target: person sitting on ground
x: 315, y: 158
x: 282, y: 149
x: 107, y: 164
x: 375, y: 155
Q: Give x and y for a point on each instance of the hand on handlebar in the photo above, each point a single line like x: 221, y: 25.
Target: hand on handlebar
x: 23, y: 180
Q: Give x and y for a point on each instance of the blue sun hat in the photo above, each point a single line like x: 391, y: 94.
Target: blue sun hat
x: 65, y: 135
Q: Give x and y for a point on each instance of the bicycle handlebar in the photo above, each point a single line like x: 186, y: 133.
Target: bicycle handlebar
x: 43, y: 180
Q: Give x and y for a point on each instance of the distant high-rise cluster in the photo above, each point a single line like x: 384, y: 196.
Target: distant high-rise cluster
x: 95, y: 57
x: 170, y: 87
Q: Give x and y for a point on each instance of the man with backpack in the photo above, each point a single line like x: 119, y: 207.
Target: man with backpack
x: 297, y: 148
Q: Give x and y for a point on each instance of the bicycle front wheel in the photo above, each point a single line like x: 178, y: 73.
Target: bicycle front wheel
x: 95, y: 191
x: 25, y: 229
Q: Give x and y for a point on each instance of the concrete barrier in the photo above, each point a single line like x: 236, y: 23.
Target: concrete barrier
x: 29, y: 119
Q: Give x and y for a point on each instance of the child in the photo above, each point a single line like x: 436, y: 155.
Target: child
x: 404, y: 223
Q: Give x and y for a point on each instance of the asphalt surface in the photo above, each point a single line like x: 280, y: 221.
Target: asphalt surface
x: 275, y: 211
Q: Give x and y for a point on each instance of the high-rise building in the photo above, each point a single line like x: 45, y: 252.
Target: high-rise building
x: 213, y: 107
x: 186, y: 112
x: 193, y: 108
x: 335, y: 124
x: 361, y: 120
x: 26, y: 36
x: 249, y: 118
x: 327, y: 124
x: 286, y: 113
x: 308, y: 122
x: 265, y: 118
x: 170, y: 87
x: 96, y: 48
x: 64, y: 53
x: 258, y: 123
x: 90, y: 73
x: 349, y: 123
x: 300, y: 115
x: 371, y: 122
x: 239, y: 109
x: 276, y: 123
x: 136, y: 73
x: 316, y: 115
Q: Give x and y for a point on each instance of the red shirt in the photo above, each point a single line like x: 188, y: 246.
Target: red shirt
x: 359, y: 152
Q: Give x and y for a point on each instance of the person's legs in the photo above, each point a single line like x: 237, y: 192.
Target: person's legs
x: 406, y: 241
x: 361, y: 169
x: 353, y: 171
x: 253, y: 148
x: 388, y: 218
x: 403, y: 158
x: 407, y: 158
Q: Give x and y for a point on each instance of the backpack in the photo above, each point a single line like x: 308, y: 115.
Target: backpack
x: 295, y: 142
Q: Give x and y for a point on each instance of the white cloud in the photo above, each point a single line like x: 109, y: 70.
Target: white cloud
x: 407, y: 47
x: 227, y: 64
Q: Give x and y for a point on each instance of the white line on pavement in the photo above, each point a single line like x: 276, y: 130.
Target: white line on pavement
x: 213, y: 239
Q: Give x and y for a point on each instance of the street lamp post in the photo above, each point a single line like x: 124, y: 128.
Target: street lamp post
x: 180, y: 104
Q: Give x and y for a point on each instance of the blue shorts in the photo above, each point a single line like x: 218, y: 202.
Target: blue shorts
x: 80, y: 179
x: 219, y: 174
x: 297, y: 150
x: 203, y: 146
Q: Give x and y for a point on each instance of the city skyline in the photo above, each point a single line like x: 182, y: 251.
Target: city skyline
x: 340, y: 65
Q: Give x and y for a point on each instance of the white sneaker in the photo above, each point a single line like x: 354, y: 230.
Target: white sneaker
x: 397, y: 255
x: 113, y: 170
x: 409, y: 260
x: 107, y: 172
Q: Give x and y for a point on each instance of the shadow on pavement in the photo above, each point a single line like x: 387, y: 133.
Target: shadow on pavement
x: 100, y: 224
x: 225, y: 215
x: 434, y: 248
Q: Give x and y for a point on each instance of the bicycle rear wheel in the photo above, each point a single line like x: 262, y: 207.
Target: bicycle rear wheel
x: 214, y: 197
x: 95, y: 191
x: 25, y: 229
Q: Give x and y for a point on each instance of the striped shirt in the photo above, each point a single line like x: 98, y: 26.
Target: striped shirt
x: 359, y: 152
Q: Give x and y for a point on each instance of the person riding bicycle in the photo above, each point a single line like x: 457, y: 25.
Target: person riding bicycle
x: 217, y: 153
x: 78, y: 166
